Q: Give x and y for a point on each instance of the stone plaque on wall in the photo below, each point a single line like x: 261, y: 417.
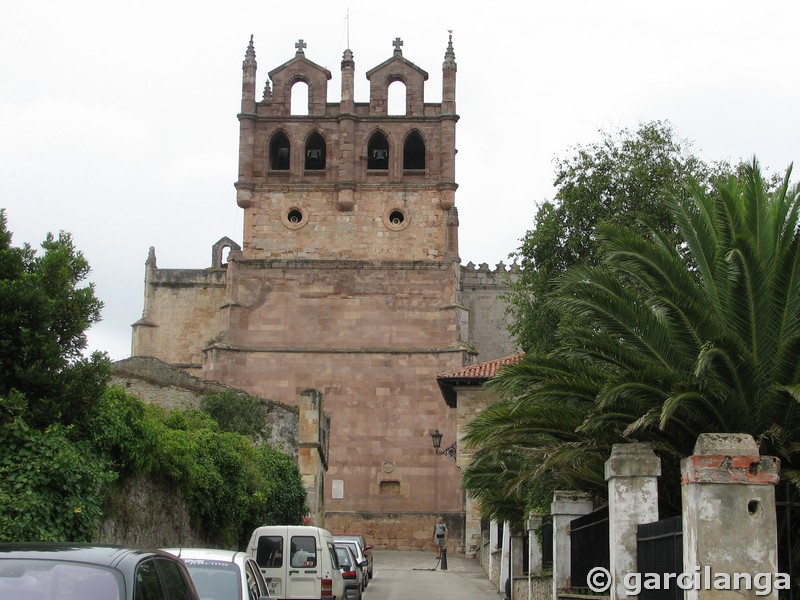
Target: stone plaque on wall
x: 337, y: 490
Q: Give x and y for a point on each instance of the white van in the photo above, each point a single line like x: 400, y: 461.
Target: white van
x: 298, y: 561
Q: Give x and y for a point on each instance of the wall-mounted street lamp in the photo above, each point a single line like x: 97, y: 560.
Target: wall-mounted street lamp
x: 437, y: 443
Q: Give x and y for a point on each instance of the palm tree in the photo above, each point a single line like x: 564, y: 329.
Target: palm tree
x: 666, y: 342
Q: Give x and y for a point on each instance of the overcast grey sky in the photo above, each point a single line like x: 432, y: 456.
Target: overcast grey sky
x: 118, y: 119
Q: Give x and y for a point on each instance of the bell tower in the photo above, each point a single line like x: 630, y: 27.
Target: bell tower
x: 348, y: 279
x: 347, y: 180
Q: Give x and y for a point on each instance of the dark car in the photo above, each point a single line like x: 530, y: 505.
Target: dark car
x: 63, y: 571
x: 352, y: 573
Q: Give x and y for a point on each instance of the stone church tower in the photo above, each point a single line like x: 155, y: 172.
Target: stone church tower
x: 348, y: 282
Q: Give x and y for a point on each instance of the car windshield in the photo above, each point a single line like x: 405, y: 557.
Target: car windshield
x: 29, y: 579
x: 215, y: 579
x: 344, y: 557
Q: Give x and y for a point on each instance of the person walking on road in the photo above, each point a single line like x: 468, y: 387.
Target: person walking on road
x: 439, y: 536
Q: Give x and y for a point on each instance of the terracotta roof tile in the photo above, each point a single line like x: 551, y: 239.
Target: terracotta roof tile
x: 481, y: 371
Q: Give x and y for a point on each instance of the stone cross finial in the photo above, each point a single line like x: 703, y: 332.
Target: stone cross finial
x: 397, y: 43
x: 300, y: 44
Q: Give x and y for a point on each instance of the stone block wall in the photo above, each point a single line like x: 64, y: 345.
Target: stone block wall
x: 339, y: 305
x: 535, y: 587
x: 149, y: 514
x: 398, y: 531
x: 363, y: 233
x: 383, y: 406
x: 181, y: 314
x: 369, y: 335
x: 472, y: 400
x: 482, y: 292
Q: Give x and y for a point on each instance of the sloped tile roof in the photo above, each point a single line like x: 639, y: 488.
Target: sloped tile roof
x: 482, y: 371
x: 472, y: 375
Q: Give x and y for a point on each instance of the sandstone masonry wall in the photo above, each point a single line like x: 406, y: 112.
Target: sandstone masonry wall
x: 399, y: 531
x: 365, y: 232
x: 181, y: 314
x: 482, y: 293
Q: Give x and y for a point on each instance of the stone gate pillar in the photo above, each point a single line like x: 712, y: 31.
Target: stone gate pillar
x: 535, y: 555
x: 494, y: 560
x: 505, y: 556
x: 729, y: 525
x: 566, y: 506
x: 632, y: 475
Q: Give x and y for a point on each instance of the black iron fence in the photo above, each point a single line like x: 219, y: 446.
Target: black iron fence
x: 660, y: 546
x: 547, y: 542
x: 588, y: 546
x: 659, y: 549
x: 787, y: 514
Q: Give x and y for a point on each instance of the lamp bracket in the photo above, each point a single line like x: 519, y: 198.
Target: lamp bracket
x: 449, y: 451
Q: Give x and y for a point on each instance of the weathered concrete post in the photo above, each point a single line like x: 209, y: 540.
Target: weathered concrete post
x: 632, y: 474
x: 494, y: 545
x: 566, y: 506
x: 535, y: 556
x: 729, y: 526
x: 539, y: 584
x: 515, y: 572
x: 505, y: 556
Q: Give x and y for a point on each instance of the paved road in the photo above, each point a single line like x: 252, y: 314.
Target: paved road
x: 408, y: 575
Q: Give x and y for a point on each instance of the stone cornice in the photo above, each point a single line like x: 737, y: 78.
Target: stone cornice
x: 361, y: 265
x: 344, y: 350
x: 334, y: 186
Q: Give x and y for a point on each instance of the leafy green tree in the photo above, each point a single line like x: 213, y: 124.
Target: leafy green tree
x: 496, y: 478
x: 121, y: 431
x: 665, y: 341
x: 279, y: 497
x: 230, y: 484
x: 52, y: 487
x: 65, y: 436
x: 623, y: 179
x: 237, y: 412
x: 53, y: 478
x: 44, y: 314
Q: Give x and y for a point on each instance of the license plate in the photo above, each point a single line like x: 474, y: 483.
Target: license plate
x: 274, y: 588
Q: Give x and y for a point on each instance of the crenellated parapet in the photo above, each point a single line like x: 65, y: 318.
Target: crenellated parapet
x: 482, y: 292
x: 481, y: 276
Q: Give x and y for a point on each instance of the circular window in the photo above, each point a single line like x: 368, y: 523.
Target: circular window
x: 294, y: 218
x: 395, y: 219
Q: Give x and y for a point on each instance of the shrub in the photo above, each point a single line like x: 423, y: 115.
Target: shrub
x: 238, y: 413
x: 118, y: 429
x: 52, y: 487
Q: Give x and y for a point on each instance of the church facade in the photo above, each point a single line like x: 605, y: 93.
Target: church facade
x: 349, y: 282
